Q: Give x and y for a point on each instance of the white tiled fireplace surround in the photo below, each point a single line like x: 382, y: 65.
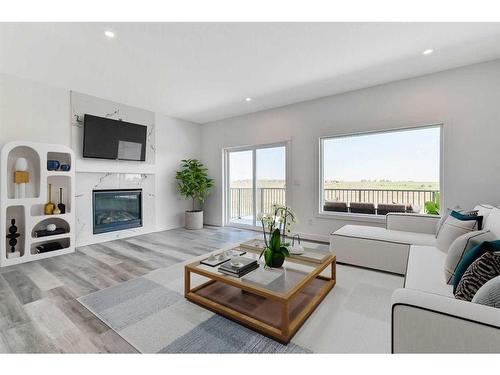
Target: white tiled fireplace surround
x: 88, y: 182
x: 95, y: 174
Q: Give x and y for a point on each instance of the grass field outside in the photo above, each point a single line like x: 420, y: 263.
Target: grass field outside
x: 381, y: 184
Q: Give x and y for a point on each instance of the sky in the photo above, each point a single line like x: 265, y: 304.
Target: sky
x: 409, y: 155
x: 270, y: 164
x: 406, y: 155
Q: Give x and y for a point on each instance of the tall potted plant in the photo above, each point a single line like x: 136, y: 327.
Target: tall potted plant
x: 193, y: 183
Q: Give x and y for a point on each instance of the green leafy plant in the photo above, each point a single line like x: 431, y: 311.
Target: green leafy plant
x: 432, y: 207
x: 276, y: 226
x: 193, y: 181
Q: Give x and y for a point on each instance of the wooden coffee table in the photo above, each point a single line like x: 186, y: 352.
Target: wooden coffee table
x: 274, y: 302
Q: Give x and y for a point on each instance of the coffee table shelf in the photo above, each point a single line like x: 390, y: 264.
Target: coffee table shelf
x: 277, y: 310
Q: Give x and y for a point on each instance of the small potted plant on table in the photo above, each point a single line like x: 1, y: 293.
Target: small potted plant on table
x: 276, y: 226
x: 193, y: 183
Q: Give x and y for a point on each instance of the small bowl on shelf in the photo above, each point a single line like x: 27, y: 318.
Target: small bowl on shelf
x: 53, y: 165
x: 65, y: 167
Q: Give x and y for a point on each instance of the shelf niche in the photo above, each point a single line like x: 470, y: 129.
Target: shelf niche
x: 59, y: 223
x: 33, y: 187
x: 65, y: 243
x: 61, y: 157
x: 17, y: 213
x: 57, y: 182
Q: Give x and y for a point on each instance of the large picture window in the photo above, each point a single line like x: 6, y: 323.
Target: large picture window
x: 377, y: 173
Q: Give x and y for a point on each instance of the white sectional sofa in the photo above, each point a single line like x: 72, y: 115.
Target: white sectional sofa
x: 426, y: 318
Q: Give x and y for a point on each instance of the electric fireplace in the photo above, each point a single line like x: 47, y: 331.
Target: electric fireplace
x: 117, y: 210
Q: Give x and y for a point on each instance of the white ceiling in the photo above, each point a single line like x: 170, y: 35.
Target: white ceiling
x: 203, y: 71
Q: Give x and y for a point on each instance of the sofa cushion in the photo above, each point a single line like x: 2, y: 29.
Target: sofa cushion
x: 452, y: 229
x: 492, y: 222
x: 481, y: 271
x: 469, y: 216
x: 424, y: 270
x: 460, y: 247
x: 387, y: 235
x: 444, y: 216
x: 484, y: 210
x: 489, y: 293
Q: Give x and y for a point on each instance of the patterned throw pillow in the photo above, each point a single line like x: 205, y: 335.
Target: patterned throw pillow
x: 481, y: 271
x: 471, y: 256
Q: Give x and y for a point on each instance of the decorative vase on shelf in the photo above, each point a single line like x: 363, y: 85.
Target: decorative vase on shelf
x: 49, y: 206
x: 21, y: 178
x: 12, y: 237
x: 61, y: 205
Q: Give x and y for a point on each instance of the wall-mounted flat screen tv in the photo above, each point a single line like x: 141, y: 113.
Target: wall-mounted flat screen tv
x: 105, y: 138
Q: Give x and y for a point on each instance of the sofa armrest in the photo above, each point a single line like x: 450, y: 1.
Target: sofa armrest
x: 429, y: 323
x: 412, y: 222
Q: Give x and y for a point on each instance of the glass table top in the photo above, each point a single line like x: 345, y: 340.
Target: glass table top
x: 277, y: 280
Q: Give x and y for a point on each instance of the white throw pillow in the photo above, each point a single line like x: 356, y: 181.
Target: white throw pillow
x: 483, y: 210
x: 444, y: 216
x: 493, y: 221
x: 460, y: 247
x: 452, y: 229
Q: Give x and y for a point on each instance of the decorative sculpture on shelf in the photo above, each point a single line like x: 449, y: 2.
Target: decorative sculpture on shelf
x: 13, y: 236
x: 21, y: 177
x: 61, y: 205
x: 49, y: 206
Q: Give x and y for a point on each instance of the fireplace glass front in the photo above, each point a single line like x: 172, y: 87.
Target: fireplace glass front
x: 117, y: 210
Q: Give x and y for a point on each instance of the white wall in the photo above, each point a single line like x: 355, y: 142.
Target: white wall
x: 33, y: 111
x: 176, y: 140
x: 466, y: 100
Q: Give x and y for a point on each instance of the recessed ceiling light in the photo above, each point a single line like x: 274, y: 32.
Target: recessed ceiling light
x: 428, y: 51
x: 248, y: 99
x: 109, y: 34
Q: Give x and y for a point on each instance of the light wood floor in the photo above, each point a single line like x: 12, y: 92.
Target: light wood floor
x: 39, y: 312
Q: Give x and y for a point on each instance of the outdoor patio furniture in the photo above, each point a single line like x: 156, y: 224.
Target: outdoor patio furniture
x: 335, y: 206
x: 362, y: 208
x: 385, y: 208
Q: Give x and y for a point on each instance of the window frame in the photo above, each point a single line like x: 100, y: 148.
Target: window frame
x: 227, y: 180
x: 347, y: 216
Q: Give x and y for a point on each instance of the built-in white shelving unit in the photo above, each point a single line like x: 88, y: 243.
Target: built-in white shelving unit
x: 29, y: 211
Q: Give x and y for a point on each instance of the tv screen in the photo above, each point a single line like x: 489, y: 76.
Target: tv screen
x: 104, y: 138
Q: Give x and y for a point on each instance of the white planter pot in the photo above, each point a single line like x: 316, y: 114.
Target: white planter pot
x: 194, y: 219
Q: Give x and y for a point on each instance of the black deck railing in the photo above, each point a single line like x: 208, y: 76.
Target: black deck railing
x: 414, y: 198
x: 241, y: 199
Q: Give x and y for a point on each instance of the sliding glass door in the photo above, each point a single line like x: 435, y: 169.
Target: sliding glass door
x: 241, y: 207
x: 256, y: 179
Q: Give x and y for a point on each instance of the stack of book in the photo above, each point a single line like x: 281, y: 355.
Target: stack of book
x: 239, y: 266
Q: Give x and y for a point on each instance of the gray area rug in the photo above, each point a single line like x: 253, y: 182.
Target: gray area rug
x: 150, y: 312
x: 220, y: 335
x: 156, y: 319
